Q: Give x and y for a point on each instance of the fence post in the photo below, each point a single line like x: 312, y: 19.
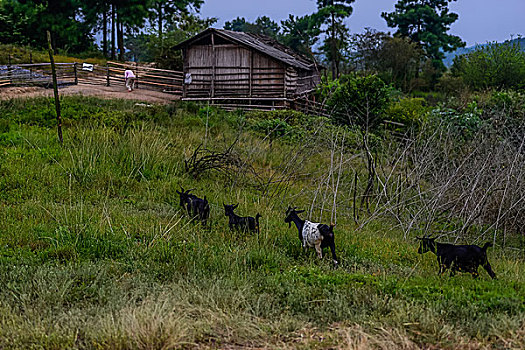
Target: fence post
x: 107, y: 76
x: 137, y: 75
x: 9, y: 68
x: 76, y: 75
x: 30, y: 62
x: 55, y: 88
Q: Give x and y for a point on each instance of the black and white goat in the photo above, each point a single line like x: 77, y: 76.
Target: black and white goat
x: 241, y: 223
x: 194, y: 206
x: 465, y: 258
x: 313, y: 235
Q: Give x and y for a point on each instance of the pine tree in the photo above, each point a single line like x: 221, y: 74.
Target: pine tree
x: 332, y: 13
x: 426, y: 22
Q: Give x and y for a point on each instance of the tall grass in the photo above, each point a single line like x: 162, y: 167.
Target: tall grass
x: 96, y: 253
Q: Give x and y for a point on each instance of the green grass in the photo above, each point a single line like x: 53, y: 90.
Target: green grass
x: 24, y: 55
x: 96, y: 253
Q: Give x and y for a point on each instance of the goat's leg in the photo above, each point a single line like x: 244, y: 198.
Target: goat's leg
x: 488, y: 268
x: 319, y: 250
x: 334, y: 257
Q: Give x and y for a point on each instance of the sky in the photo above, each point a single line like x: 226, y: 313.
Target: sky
x: 479, y: 21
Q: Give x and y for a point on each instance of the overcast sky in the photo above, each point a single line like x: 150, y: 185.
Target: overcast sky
x: 479, y: 20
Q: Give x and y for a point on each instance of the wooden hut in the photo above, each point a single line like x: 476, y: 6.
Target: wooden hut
x: 244, y: 68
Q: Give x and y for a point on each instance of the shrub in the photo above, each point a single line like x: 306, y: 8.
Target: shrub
x: 450, y: 85
x: 360, y: 101
x: 275, y: 128
x: 289, y: 116
x: 466, y: 123
x: 500, y: 66
x: 407, y: 111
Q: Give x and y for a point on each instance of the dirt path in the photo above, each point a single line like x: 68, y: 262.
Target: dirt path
x: 108, y: 92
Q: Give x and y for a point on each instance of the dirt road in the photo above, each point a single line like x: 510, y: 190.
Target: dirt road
x: 109, y: 92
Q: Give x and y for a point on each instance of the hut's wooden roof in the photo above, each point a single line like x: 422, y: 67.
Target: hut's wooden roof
x: 261, y: 43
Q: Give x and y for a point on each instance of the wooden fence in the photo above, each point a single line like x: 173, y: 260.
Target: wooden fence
x: 163, y: 80
x: 37, y: 74
x: 168, y: 81
x: 77, y: 73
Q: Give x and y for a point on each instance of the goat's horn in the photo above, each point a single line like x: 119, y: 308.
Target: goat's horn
x: 188, y: 191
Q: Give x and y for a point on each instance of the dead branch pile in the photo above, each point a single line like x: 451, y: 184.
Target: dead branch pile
x: 204, y: 159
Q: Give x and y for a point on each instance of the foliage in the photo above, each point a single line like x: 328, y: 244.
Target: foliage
x: 263, y: 25
x: 332, y: 13
x: 26, y: 23
x: 169, y: 11
x: 451, y: 85
x: 153, y: 48
x: 499, y: 66
x: 301, y: 33
x: 395, y: 59
x: 410, y: 112
x: 426, y: 23
x: 466, y: 123
x: 360, y: 101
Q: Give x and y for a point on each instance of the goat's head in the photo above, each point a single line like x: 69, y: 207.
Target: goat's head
x: 290, y: 214
x: 327, y: 231
x: 183, y: 196
x: 228, y: 209
x: 426, y: 244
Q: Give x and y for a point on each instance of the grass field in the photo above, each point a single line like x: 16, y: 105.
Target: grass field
x: 95, y: 252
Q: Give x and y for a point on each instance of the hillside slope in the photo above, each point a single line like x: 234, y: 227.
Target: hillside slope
x: 95, y: 251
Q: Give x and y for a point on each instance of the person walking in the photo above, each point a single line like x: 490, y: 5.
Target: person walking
x: 130, y: 79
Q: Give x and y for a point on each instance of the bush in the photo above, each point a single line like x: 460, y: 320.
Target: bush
x: 289, y: 116
x: 500, y: 66
x: 466, y: 123
x: 360, y: 101
x: 450, y: 85
x: 408, y: 111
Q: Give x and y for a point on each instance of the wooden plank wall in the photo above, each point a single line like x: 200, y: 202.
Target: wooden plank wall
x: 230, y: 70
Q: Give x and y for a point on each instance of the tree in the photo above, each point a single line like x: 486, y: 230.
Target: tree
x: 237, y: 25
x: 26, y: 23
x: 395, y: 59
x: 332, y: 14
x: 164, y: 11
x: 301, y: 33
x: 426, y: 22
x: 149, y: 47
x: 263, y: 25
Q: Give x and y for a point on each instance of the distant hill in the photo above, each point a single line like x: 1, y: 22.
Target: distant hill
x: 449, y: 58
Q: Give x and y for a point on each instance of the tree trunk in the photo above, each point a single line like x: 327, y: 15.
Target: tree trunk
x: 120, y: 38
x: 334, y: 61
x: 105, y: 33
x: 161, y: 19
x: 113, y: 32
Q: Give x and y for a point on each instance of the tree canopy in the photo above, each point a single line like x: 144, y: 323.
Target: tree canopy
x: 426, y: 22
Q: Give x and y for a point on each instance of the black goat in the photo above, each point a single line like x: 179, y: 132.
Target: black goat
x: 465, y: 258
x: 194, y: 206
x: 241, y: 223
x: 311, y: 234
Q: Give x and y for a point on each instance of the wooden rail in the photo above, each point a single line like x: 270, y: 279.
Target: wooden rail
x: 73, y: 73
x: 259, y: 88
